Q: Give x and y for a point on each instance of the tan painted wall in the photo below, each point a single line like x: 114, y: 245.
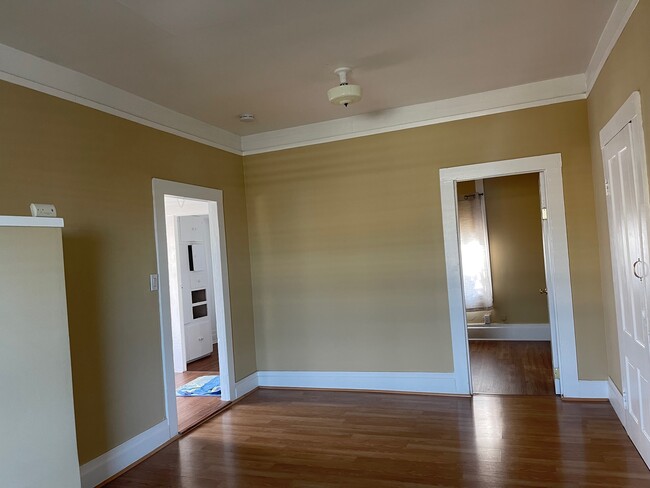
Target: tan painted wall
x: 97, y: 170
x: 516, y: 254
x: 347, y: 250
x: 626, y: 70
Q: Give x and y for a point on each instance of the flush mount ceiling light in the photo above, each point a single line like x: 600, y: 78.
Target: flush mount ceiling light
x: 344, y: 94
x: 247, y: 117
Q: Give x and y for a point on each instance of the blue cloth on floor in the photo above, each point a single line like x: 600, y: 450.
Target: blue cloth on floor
x: 202, y: 386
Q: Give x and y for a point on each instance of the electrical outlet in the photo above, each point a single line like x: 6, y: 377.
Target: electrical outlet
x: 42, y: 210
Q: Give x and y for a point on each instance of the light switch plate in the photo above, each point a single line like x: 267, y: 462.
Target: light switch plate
x: 153, y: 282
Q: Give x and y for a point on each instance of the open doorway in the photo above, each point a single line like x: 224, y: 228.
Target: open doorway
x: 504, y: 285
x: 194, y: 302
x: 556, y: 263
x: 192, y: 307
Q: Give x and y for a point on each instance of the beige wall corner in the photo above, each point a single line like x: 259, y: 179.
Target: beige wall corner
x: 627, y: 69
x: 97, y: 170
x: 512, y: 206
x: 347, y: 250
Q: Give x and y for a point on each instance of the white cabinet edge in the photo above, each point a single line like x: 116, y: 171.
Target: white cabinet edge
x: 13, y: 221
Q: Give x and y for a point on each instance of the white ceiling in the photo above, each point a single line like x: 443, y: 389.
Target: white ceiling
x: 214, y: 59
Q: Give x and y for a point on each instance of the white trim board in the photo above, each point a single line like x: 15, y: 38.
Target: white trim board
x: 414, y: 382
x: 509, y: 332
x: 616, y: 399
x: 613, y: 29
x: 246, y: 385
x: 20, y: 221
x: 536, y: 94
x: 112, y: 462
x: 24, y: 69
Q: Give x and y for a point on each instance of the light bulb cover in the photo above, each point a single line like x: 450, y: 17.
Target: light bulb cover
x: 344, y: 94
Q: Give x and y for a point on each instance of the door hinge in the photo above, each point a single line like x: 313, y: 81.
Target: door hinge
x: 556, y: 373
x: 544, y: 213
x: 606, y: 188
x: 625, y: 400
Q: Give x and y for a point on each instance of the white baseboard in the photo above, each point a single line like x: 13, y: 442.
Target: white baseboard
x: 616, y: 399
x: 351, y: 380
x: 246, y: 385
x: 588, y: 389
x: 112, y: 462
x: 510, y: 332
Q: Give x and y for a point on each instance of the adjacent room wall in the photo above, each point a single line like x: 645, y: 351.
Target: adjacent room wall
x: 512, y: 206
x: 97, y: 170
x: 347, y: 249
x: 627, y: 69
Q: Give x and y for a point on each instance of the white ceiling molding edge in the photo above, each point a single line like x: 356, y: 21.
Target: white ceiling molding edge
x: 519, y: 97
x: 38, y: 74
x: 613, y: 29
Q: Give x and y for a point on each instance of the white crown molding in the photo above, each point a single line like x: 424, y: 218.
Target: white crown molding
x: 613, y: 29
x: 492, y: 102
x: 38, y: 74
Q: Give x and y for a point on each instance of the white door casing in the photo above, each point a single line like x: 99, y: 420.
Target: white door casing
x: 628, y: 211
x: 556, y: 256
x: 214, y: 197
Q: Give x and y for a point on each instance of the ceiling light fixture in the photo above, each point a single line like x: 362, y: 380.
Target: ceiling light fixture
x: 246, y: 117
x: 344, y: 94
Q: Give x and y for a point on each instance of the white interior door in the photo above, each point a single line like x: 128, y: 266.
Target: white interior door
x: 627, y: 205
x: 550, y: 290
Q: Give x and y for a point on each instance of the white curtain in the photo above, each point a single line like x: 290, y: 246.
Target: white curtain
x: 475, y: 253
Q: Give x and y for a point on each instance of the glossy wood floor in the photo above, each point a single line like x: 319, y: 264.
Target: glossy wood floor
x: 192, y: 410
x: 512, y: 367
x: 292, y: 438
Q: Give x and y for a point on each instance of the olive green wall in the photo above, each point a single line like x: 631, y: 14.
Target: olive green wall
x: 512, y: 208
x: 97, y: 170
x: 347, y: 250
x: 627, y: 69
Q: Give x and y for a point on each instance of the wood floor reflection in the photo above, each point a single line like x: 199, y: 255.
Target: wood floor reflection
x: 293, y: 438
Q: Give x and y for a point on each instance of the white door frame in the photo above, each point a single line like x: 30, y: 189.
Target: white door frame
x: 630, y: 112
x: 556, y: 255
x: 214, y: 198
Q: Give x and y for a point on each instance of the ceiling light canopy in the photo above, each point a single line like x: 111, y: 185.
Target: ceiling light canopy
x: 344, y: 94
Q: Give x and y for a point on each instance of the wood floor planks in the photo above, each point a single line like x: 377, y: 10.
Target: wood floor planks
x: 192, y: 410
x: 512, y: 367
x: 292, y: 438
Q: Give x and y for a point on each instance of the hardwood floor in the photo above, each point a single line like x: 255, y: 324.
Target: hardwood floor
x: 208, y: 363
x: 192, y: 410
x: 293, y: 438
x: 512, y: 367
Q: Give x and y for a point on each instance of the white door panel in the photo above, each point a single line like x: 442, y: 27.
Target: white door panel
x: 627, y: 206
